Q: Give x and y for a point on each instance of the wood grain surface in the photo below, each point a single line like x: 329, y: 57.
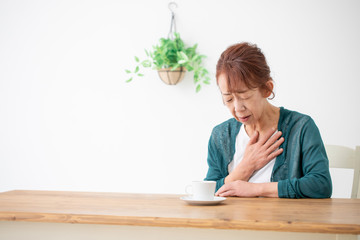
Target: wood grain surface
x: 340, y: 216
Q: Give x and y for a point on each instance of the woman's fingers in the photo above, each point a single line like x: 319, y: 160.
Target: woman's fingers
x: 226, y: 190
x: 221, y: 190
x: 267, y: 140
x: 267, y: 136
x: 261, y: 149
x: 275, y: 154
x: 275, y: 145
x: 226, y: 194
x: 272, y: 139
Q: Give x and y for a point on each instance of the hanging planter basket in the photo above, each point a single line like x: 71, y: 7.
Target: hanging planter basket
x: 173, y: 53
x: 172, y: 77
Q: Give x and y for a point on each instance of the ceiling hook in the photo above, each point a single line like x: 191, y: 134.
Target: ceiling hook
x: 172, y: 6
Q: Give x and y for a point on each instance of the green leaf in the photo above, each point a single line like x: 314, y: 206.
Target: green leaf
x: 127, y: 71
x: 183, y: 56
x: 196, y: 77
x: 198, y: 88
x: 136, y: 69
x: 129, y: 80
x: 204, y: 72
x: 146, y: 63
x: 137, y: 59
x: 175, y: 67
x: 189, y: 68
x: 206, y: 82
x: 140, y: 74
x: 147, y: 53
x: 182, y: 61
x: 195, y: 58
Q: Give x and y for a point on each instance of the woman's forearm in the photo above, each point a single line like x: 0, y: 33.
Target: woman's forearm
x: 240, y: 173
x: 245, y: 189
x: 267, y: 189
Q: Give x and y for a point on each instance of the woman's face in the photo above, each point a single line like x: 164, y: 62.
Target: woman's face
x: 246, y: 105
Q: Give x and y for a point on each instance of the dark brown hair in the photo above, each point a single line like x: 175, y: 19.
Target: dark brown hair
x: 244, y: 62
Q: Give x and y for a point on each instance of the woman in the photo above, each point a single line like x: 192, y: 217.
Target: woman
x: 264, y: 150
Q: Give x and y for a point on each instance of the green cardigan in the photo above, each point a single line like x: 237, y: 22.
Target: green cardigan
x: 302, y: 170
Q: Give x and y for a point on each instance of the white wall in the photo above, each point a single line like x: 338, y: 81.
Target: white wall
x: 68, y: 120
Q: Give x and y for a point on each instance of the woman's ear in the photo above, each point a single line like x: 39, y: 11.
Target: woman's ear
x: 268, y: 90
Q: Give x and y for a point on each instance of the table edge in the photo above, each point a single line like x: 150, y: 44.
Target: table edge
x: 180, y: 222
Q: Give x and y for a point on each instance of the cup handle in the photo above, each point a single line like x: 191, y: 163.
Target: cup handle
x: 187, y: 189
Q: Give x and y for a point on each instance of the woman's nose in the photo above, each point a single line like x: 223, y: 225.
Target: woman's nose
x: 239, y: 105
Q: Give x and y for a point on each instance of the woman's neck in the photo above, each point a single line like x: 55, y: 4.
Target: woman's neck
x: 268, y: 120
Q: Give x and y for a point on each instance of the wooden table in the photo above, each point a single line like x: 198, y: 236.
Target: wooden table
x: 326, y: 216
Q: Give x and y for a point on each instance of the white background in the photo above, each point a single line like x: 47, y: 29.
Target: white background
x: 68, y: 120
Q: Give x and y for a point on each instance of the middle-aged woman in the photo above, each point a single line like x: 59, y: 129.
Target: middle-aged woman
x: 263, y: 150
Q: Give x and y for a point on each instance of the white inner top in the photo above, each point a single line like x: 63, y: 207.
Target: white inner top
x: 260, y: 176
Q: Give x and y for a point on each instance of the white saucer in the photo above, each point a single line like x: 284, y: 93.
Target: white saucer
x: 191, y: 201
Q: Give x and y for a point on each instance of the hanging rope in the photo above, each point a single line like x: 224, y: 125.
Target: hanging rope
x: 173, y: 24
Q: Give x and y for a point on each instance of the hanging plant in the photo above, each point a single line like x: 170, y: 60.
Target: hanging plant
x: 171, y: 58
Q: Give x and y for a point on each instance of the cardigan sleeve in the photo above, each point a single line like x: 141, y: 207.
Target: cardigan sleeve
x: 215, y: 172
x: 316, y: 180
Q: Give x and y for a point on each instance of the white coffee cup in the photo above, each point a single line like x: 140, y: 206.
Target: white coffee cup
x: 201, y: 190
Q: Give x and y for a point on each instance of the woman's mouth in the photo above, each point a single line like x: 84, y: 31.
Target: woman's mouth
x: 244, y: 119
